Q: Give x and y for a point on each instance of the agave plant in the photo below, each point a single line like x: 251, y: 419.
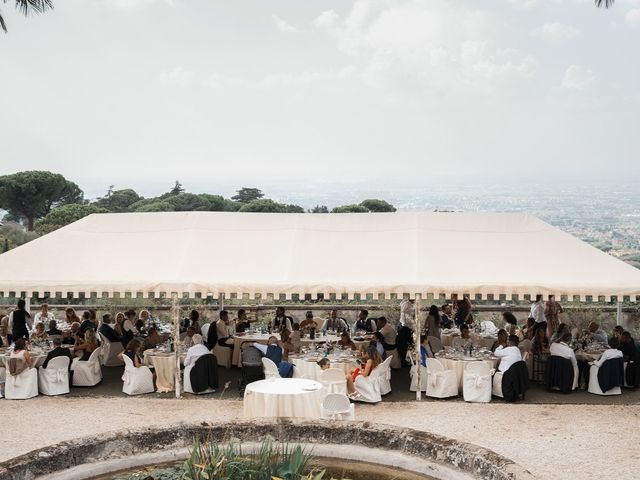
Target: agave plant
x: 27, y: 7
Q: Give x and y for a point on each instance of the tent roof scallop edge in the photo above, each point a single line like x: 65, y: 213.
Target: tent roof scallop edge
x: 400, y: 253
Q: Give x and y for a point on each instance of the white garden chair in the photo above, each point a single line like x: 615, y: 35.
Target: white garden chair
x: 476, y: 382
x: 23, y: 386
x: 109, y: 356
x: 441, y: 383
x: 136, y: 381
x: 54, y: 380
x: 337, y: 407
x: 89, y: 373
x: 270, y: 368
x: 334, y: 380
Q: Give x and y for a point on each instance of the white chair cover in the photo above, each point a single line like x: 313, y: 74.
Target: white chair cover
x: 136, y: 381
x: 395, y: 358
x: 270, y: 368
x: 109, y: 356
x: 369, y: 387
x: 384, y: 376
x: 414, y: 378
x: 477, y: 382
x: 23, y: 386
x: 441, y: 383
x: 435, y: 343
x: 594, y: 385
x: 337, y: 407
x: 496, y: 389
x: 489, y: 327
x: 223, y: 355
x: 334, y: 381
x: 54, y: 380
x: 89, y: 373
x: 187, y: 381
x: 204, y: 331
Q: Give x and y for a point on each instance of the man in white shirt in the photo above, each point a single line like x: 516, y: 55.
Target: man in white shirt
x: 597, y: 334
x: 195, y: 351
x: 43, y: 316
x: 388, y: 333
x: 509, y: 354
x: 223, y: 328
x: 334, y: 322
x: 537, y: 310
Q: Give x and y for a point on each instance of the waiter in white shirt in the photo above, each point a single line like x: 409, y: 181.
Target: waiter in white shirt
x: 537, y: 310
x: 508, y: 354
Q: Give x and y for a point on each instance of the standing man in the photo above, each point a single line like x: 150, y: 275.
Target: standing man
x: 406, y: 328
x: 537, y: 310
x: 20, y: 322
x: 552, y: 310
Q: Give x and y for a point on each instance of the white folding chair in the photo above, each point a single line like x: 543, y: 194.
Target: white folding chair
x: 476, y: 382
x: 594, y: 384
x: 334, y: 380
x: 441, y: 383
x: 109, y: 355
x: 54, y: 380
x: 270, y: 368
x: 23, y: 386
x: 435, y: 343
x: 337, y: 407
x: 414, y: 378
x: 384, y: 375
x: 89, y: 373
x: 136, y: 381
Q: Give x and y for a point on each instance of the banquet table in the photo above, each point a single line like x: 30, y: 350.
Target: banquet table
x: 588, y: 356
x: 239, y: 339
x: 164, y: 365
x: 482, y: 340
x: 458, y: 365
x: 283, y: 397
x: 38, y: 357
x: 308, y: 367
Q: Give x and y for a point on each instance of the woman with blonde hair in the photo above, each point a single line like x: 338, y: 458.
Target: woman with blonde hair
x: 87, y: 345
x: 117, y: 326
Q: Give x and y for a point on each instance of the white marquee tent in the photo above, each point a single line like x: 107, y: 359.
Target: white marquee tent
x: 213, y: 253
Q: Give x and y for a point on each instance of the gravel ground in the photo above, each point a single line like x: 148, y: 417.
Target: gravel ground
x: 551, y: 441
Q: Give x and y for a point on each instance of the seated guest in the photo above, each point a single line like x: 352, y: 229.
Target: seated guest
x: 44, y: 315
x: 345, y: 341
x: 446, y: 321
x: 562, y: 349
x: 559, y: 333
x: 425, y: 350
x: 131, y: 350
x: 628, y: 348
x: 188, y: 339
x: 614, y: 341
x: 194, y: 317
x: 84, y: 347
x: 144, y: 320
x: 68, y: 338
x: 58, y: 351
x: 502, y: 339
x: 511, y: 330
x: 87, y: 323
x: 196, y: 350
x: 107, y: 331
x: 5, y: 337
x: 274, y: 352
x: 71, y: 316
x: 154, y: 339
x: 280, y: 321
x: 39, y: 333
x: 223, y: 330
x: 373, y: 359
x: 509, y: 318
x: 597, y: 334
x: 295, y: 336
x: 540, y: 349
x: 286, y: 344
x: 324, y: 363
x: 379, y: 341
x: 308, y: 323
x: 242, y: 322
x: 364, y: 323
x: 465, y: 334
x: 118, y: 323
x: 74, y: 332
x: 334, y: 322
x: 128, y: 327
x: 388, y: 334
x: 53, y: 328
x: 508, y: 355
x: 20, y: 351
x: 433, y: 321
x: 526, y: 332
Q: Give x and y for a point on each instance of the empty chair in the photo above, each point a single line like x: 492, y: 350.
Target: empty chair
x: 414, y: 378
x: 22, y: 385
x: 54, y: 380
x: 395, y: 358
x: 384, y: 376
x: 223, y: 355
x: 337, y: 407
x: 476, y: 382
x: 334, y: 381
x: 435, y: 343
x: 606, y: 375
x: 89, y: 373
x: 109, y: 353
x: 136, y: 381
x: 441, y: 383
x: 270, y: 368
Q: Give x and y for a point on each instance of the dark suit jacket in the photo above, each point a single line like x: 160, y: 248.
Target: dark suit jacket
x: 85, y: 325
x: 58, y: 352
x: 109, y: 333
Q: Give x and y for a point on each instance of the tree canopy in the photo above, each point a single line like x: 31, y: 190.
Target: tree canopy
x: 27, y: 7
x: 65, y: 215
x: 31, y: 195
x: 247, y: 195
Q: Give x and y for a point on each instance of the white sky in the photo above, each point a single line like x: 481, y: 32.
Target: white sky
x: 142, y: 92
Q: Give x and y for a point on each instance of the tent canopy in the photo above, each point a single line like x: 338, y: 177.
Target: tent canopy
x: 255, y: 253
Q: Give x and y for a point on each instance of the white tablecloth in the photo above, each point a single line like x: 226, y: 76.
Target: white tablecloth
x: 487, y: 342
x: 283, y: 397
x: 164, y: 365
x: 458, y: 366
x: 311, y: 370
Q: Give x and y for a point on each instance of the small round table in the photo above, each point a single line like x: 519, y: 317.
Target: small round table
x: 283, y: 397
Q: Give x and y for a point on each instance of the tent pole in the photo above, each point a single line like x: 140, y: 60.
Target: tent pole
x: 417, y: 344
x: 176, y: 339
x: 619, y: 313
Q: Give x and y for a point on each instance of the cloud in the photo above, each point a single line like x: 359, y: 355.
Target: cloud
x: 178, y: 76
x: 132, y: 4
x: 430, y: 45
x: 283, y: 26
x: 555, y: 32
x: 632, y: 17
x: 578, y: 78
